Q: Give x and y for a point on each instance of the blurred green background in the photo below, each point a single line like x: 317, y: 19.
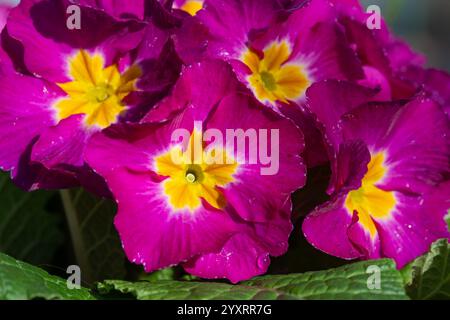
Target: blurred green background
x: 424, y: 24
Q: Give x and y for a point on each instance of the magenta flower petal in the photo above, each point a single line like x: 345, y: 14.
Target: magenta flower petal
x: 160, y: 68
x: 152, y: 42
x: 329, y: 100
x: 398, y: 54
x: 117, y: 8
x: 351, y: 165
x: 62, y: 145
x: 217, y: 79
x: 39, y: 152
x: 435, y: 82
x: 161, y: 239
x: 4, y: 12
x: 415, y: 225
x: 380, y: 204
x: 124, y: 137
x: 326, y: 102
x: 5, y: 8
x: 41, y: 27
x: 19, y: 126
x: 6, y: 65
x: 373, y: 78
x: 382, y: 55
x: 401, y: 55
x: 151, y: 234
x: 205, y: 231
x: 191, y: 40
x: 97, y: 76
x: 327, y: 228
x: 416, y: 159
x: 278, y: 59
x: 241, y: 258
x: 34, y: 176
x: 349, y: 240
x: 317, y: 42
x: 187, y: 90
x: 244, y: 255
x: 159, y: 229
x: 231, y: 23
x: 252, y: 194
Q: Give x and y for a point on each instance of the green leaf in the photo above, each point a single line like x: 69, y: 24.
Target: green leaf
x: 428, y: 277
x: 28, y: 231
x: 22, y: 281
x: 188, y: 290
x: 96, y: 243
x: 347, y: 282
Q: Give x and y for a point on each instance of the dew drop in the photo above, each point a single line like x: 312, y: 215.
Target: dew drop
x: 262, y: 261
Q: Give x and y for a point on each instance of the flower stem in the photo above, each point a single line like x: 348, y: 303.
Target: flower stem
x: 79, y: 247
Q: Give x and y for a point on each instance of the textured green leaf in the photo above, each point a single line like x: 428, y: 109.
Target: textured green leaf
x: 347, y: 282
x: 428, y: 277
x: 22, y: 281
x: 189, y: 290
x: 96, y: 243
x: 28, y: 231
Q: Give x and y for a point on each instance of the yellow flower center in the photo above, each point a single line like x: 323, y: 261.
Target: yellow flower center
x: 369, y: 200
x: 195, y: 177
x: 192, y: 6
x: 95, y: 91
x: 272, y: 77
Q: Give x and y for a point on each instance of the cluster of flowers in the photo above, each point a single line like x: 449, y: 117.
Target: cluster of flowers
x: 97, y: 106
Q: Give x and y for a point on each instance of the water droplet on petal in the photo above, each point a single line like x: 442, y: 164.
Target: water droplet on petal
x: 262, y: 261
